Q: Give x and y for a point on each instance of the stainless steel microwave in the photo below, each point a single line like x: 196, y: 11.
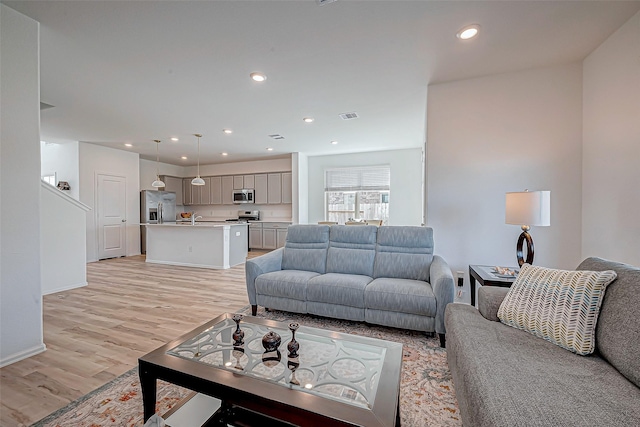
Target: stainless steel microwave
x: 243, y: 196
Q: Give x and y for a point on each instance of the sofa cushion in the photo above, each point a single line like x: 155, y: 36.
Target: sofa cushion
x: 618, y: 329
x: 401, y: 295
x: 335, y: 288
x: 404, y: 252
x: 506, y: 377
x: 306, y: 248
x: 559, y: 306
x: 351, y: 249
x: 285, y: 283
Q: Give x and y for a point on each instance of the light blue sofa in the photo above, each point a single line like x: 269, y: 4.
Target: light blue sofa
x: 381, y: 275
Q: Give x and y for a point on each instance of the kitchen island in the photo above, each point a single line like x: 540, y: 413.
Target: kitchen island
x: 206, y: 244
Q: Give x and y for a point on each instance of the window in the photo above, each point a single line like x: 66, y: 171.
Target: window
x: 357, y: 193
x: 50, y: 179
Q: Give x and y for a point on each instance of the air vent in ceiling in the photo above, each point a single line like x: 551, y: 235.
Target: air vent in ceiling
x: 276, y: 136
x: 348, y: 116
x: 321, y: 2
x: 44, y: 106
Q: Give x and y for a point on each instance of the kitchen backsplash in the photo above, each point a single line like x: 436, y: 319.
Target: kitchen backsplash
x: 269, y: 213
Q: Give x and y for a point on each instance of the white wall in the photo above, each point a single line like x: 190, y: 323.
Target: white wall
x: 20, y: 294
x: 406, y: 184
x: 500, y: 133
x: 63, y: 160
x: 300, y: 186
x: 63, y: 222
x: 611, y: 150
x: 94, y: 160
x: 148, y: 172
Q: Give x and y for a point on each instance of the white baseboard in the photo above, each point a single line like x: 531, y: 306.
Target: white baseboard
x: 22, y: 355
x: 65, y: 288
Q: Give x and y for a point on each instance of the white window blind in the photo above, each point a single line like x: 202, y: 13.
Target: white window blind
x: 365, y: 178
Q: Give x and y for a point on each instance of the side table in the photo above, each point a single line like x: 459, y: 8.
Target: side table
x: 485, y: 276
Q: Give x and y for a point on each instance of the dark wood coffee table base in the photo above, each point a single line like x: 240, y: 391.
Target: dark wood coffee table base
x: 248, y: 401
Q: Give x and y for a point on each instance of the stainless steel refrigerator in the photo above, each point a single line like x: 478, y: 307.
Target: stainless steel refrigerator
x: 156, y: 207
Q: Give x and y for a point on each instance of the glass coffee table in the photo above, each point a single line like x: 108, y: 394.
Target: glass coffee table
x: 334, y: 379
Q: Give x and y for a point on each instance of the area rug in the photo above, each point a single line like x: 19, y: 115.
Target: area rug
x: 427, y: 397
x: 117, y: 403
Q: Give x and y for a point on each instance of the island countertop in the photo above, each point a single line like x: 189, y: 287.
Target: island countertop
x: 197, y: 224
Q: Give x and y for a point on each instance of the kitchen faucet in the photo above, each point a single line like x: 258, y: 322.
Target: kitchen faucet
x: 194, y: 218
x: 160, y: 221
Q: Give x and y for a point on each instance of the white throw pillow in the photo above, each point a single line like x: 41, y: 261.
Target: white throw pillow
x: 559, y: 306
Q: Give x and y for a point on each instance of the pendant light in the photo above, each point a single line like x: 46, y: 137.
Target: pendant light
x: 197, y: 180
x: 157, y: 183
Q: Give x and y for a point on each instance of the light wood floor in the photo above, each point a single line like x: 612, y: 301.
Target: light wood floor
x: 96, y: 333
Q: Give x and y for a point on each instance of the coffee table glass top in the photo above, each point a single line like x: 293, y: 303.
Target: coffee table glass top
x: 329, y: 365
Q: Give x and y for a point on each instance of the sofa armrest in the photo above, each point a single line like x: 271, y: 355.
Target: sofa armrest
x: 442, y: 284
x: 489, y: 300
x: 254, y: 267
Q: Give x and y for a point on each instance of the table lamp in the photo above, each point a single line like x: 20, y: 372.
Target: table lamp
x: 527, y: 208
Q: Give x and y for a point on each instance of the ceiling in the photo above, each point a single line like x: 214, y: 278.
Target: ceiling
x: 121, y: 72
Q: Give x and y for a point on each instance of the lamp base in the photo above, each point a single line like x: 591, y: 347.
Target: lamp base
x: 524, y: 236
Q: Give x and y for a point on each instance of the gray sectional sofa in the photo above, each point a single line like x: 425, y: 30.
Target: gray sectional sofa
x: 381, y: 275
x: 505, y: 377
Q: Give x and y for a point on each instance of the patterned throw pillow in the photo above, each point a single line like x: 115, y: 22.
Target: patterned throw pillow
x: 557, y: 305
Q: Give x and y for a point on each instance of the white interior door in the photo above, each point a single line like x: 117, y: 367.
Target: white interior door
x: 111, y: 216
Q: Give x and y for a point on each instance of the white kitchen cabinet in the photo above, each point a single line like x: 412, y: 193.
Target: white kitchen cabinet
x: 255, y: 235
x: 274, y: 188
x: 174, y: 184
x: 281, y: 237
x: 261, y: 189
x: 238, y: 182
x: 216, y: 190
x: 249, y: 181
x: 286, y: 187
x: 227, y: 190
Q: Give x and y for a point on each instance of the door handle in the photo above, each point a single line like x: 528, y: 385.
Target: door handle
x: 124, y: 220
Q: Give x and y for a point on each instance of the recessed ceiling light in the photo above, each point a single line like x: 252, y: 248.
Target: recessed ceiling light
x: 184, y: 157
x: 468, y: 32
x: 334, y: 142
x: 227, y: 131
x: 128, y: 145
x: 258, y: 77
x: 270, y: 149
x: 308, y: 119
x: 225, y: 154
x: 174, y: 139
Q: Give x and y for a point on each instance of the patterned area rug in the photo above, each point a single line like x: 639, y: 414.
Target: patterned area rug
x: 117, y: 403
x: 426, y: 393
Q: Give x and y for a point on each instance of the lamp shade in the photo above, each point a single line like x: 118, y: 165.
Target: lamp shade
x: 531, y: 208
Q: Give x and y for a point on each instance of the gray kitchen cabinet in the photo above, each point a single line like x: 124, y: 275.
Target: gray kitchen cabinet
x: 281, y: 237
x: 274, y: 234
x: 216, y: 190
x: 269, y: 238
x: 260, y: 182
x: 200, y: 194
x: 274, y: 188
x: 249, y: 181
x: 238, y: 182
x: 186, y: 191
x: 204, y: 192
x: 286, y: 187
x: 172, y: 183
x: 255, y: 235
x: 227, y: 190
